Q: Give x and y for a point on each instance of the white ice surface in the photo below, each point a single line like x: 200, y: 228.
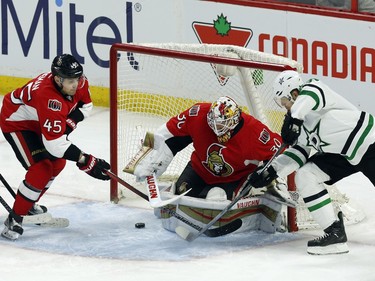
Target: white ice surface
x: 102, y: 243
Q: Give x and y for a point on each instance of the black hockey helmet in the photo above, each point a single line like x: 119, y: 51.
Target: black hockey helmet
x: 66, y: 66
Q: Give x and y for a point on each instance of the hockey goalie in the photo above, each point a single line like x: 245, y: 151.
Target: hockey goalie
x: 229, y: 144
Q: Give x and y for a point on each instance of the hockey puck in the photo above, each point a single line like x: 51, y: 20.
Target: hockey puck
x: 139, y: 225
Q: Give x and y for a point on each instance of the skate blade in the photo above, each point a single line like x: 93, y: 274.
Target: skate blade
x: 334, y: 249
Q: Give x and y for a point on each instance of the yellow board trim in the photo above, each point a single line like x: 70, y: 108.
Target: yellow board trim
x: 99, y: 95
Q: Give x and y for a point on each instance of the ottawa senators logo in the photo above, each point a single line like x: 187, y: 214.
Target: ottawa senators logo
x: 54, y: 105
x: 215, y: 162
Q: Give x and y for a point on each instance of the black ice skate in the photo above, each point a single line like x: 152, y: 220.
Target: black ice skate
x: 13, y: 229
x: 332, y: 242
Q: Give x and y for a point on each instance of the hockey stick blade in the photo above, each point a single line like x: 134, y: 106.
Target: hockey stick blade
x: 36, y: 219
x: 225, y: 229
x: 56, y: 223
x: 161, y: 203
x: 154, y: 193
x: 219, y: 231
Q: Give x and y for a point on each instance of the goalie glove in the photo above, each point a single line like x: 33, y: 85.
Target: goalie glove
x: 156, y: 161
x: 258, y: 180
x: 291, y: 129
x: 94, y: 167
x: 153, y: 157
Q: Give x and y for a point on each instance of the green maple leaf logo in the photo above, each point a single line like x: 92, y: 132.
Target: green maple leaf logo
x: 222, y: 26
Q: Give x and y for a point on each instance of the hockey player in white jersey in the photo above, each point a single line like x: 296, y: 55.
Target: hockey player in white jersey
x: 329, y: 139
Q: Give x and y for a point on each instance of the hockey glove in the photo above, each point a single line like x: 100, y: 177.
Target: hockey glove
x: 291, y: 129
x: 95, y: 167
x: 259, y: 180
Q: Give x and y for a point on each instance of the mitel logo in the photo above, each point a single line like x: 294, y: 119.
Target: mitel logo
x: 60, y: 27
x: 222, y: 32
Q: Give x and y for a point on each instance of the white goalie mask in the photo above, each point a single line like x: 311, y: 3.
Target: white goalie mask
x: 223, y: 116
x: 284, y: 84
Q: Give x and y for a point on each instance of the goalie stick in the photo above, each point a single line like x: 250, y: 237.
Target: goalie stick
x: 154, y: 194
x: 219, y: 231
x: 189, y: 236
x: 45, y: 219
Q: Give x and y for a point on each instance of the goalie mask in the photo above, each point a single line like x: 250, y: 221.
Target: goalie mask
x: 223, y: 117
x: 285, y: 83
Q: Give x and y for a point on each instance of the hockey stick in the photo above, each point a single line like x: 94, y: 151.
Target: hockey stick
x: 41, y: 218
x: 154, y: 194
x: 47, y: 221
x: 7, y: 186
x: 225, y: 229
x: 189, y: 236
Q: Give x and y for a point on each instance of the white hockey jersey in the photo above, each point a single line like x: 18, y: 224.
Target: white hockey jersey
x: 331, y: 125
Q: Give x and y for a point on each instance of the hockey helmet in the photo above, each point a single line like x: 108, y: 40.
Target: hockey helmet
x: 285, y: 83
x: 223, y: 116
x: 66, y: 66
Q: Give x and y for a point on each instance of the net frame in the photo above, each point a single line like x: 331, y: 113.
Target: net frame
x: 180, y: 52
x: 119, y: 47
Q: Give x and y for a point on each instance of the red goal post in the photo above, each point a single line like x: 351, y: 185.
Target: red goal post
x: 149, y: 83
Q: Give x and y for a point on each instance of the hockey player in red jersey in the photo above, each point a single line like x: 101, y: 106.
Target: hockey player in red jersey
x: 36, y: 120
x: 228, y: 146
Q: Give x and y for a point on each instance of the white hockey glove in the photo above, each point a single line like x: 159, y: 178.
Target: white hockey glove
x: 154, y: 156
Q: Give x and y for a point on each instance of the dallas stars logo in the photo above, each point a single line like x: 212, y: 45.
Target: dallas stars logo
x: 313, y: 138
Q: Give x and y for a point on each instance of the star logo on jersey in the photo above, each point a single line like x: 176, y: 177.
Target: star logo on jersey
x: 221, y: 32
x: 313, y: 138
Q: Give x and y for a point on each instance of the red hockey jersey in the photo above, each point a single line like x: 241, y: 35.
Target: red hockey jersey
x: 224, y: 162
x: 38, y: 106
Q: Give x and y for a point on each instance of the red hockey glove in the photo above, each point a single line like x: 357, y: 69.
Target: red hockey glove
x: 95, y: 167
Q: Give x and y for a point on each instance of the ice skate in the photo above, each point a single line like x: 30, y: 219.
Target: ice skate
x: 12, y: 229
x: 37, y: 209
x: 332, y: 242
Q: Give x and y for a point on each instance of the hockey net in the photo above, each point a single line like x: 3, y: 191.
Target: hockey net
x: 150, y: 83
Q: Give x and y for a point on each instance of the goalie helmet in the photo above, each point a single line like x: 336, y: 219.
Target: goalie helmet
x: 66, y: 66
x: 284, y: 84
x: 223, y: 117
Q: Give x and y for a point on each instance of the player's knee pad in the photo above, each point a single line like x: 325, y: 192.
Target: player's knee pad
x: 39, y: 173
x: 309, y: 179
